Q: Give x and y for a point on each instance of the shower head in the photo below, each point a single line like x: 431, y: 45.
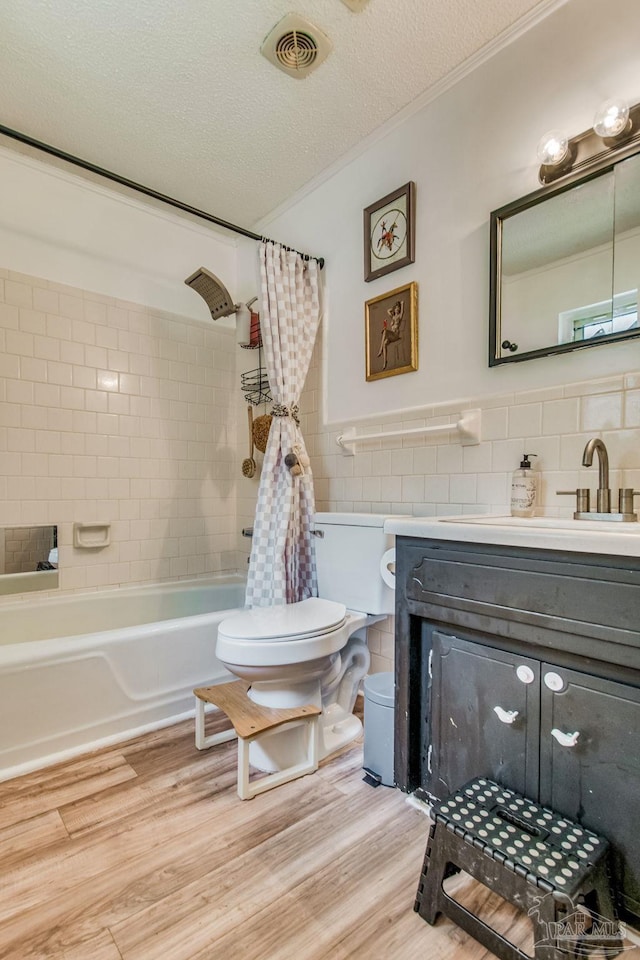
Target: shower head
x: 213, y: 292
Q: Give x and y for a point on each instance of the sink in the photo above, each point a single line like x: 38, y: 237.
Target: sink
x: 551, y: 523
x: 605, y: 537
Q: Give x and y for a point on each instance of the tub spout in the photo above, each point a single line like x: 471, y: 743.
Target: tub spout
x: 603, y: 496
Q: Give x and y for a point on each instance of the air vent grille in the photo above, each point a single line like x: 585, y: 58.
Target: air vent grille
x: 296, y: 46
x: 296, y: 50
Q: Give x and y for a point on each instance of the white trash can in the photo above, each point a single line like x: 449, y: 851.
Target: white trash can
x: 378, y: 727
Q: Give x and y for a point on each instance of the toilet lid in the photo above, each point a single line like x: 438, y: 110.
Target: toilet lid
x: 307, y: 618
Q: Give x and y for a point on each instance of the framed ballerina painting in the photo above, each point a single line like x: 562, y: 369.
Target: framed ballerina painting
x: 389, y: 232
x: 391, y: 332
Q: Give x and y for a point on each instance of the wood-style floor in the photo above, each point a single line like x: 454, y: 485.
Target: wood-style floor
x: 145, y: 852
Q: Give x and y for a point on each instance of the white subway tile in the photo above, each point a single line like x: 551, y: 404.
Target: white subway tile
x: 32, y: 321
x: 560, y: 416
x: 463, y: 488
x: 494, y: 423
x: 449, y: 458
x: 525, y: 420
x: 632, y: 408
x: 477, y: 458
x: 71, y: 306
x: 71, y: 352
x: 20, y: 294
x: 436, y: 488
x: 412, y: 489
x: 601, y: 412
x: 61, y: 373
x: 47, y: 348
x: 45, y: 300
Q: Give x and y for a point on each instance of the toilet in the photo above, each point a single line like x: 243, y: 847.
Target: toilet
x: 315, y: 651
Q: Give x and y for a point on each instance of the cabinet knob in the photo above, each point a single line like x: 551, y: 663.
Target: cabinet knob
x: 506, y: 716
x: 554, y: 681
x: 565, y: 739
x: 525, y: 674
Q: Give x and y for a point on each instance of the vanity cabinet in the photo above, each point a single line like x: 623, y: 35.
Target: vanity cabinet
x: 524, y: 666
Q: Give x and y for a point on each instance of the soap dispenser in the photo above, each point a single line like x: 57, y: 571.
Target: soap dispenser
x: 524, y: 487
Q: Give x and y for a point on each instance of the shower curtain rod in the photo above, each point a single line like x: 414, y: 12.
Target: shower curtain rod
x: 147, y: 191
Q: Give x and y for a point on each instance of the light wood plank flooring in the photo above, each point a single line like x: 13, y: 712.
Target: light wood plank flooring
x: 145, y: 852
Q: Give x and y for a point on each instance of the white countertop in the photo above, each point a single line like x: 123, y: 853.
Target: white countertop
x: 610, y: 538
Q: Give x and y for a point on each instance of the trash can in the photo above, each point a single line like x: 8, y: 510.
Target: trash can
x: 378, y: 727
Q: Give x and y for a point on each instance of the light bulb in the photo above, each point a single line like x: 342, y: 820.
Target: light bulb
x: 553, y: 148
x: 612, y: 118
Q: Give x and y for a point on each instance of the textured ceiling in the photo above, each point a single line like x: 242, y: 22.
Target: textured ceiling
x: 176, y: 95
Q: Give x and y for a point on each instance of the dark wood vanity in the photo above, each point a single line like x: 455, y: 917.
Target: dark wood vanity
x: 523, y: 665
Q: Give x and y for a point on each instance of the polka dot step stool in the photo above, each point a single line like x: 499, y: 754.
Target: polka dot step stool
x: 533, y: 857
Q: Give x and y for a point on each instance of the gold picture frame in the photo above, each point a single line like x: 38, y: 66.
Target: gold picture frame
x: 391, y: 332
x: 389, y: 232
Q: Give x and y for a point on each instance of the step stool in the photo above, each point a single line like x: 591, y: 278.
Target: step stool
x: 534, y: 858
x: 250, y: 721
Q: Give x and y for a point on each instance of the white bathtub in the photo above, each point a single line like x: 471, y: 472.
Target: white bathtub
x: 88, y: 670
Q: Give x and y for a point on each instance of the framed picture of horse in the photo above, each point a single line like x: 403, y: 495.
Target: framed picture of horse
x: 389, y: 232
x: 391, y: 332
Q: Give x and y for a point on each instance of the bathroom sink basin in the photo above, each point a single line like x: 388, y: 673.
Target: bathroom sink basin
x: 604, y: 537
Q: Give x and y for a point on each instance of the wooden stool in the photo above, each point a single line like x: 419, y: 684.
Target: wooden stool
x: 250, y: 720
x: 535, y: 859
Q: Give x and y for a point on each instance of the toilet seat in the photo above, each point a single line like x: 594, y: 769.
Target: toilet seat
x: 285, y: 622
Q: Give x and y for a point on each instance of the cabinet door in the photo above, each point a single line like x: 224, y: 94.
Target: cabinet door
x: 594, y: 778
x: 484, y: 717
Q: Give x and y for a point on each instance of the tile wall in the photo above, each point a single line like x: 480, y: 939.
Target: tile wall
x: 112, y: 411
x: 430, y: 477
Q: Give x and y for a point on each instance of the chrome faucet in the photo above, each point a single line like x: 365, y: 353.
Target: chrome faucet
x: 603, y: 495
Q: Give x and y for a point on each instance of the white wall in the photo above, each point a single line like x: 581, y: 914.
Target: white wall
x: 470, y: 151
x: 59, y: 226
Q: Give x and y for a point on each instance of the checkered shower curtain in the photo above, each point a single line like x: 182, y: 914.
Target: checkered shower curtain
x: 282, y: 567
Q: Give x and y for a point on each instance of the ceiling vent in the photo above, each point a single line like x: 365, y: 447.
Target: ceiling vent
x: 356, y: 5
x: 296, y: 46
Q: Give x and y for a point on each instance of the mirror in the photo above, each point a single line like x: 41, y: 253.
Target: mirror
x: 28, y: 559
x: 565, y: 266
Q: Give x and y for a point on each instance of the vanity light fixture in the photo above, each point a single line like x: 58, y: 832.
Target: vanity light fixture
x: 612, y: 119
x: 553, y: 148
x: 615, y: 132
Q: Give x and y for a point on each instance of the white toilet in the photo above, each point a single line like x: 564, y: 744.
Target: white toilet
x: 315, y: 651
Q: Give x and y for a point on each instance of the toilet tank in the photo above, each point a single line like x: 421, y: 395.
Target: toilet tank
x: 349, y: 548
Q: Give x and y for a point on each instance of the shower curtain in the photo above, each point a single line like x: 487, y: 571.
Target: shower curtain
x: 282, y: 567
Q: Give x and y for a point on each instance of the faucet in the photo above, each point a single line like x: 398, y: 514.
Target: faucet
x: 603, y: 511
x: 603, y: 495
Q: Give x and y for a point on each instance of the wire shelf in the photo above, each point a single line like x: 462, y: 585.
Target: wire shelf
x: 255, y: 384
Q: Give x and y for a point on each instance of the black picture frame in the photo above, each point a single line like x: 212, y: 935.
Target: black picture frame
x: 389, y: 232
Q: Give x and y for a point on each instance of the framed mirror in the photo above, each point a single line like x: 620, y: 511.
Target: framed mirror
x: 565, y: 266
x: 28, y: 559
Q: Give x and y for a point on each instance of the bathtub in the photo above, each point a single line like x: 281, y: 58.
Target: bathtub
x: 83, y: 671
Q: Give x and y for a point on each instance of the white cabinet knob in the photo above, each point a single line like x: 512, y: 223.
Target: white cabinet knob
x: 554, y: 681
x: 506, y: 716
x: 565, y: 739
x: 525, y: 673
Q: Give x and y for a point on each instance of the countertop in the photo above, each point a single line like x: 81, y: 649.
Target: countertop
x: 611, y: 538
